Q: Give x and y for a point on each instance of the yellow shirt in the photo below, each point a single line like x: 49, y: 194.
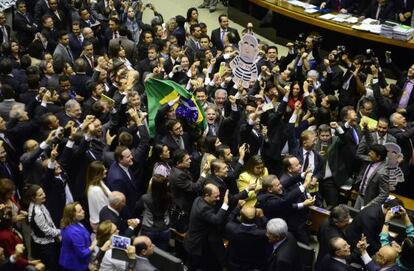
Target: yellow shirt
x: 245, y: 179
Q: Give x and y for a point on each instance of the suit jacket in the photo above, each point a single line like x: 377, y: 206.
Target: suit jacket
x: 61, y: 22
x: 121, y: 224
x: 76, y: 46
x: 203, y: 231
x: 89, y: 67
x: 368, y: 221
x: 233, y: 198
x: 330, y: 264
x: 55, y: 194
x: 61, y: 53
x: 387, y: 12
x: 75, y: 257
x: 286, y: 257
x: 183, y: 188
x: 173, y: 145
x: 2, y: 38
x: 32, y: 166
x: 23, y: 26
x: 118, y: 180
x: 52, y: 39
x: 326, y: 231
x: 242, y: 238
x: 216, y: 37
x: 370, y: 139
x: 377, y: 189
x: 372, y: 266
x: 144, y: 265
x: 78, y: 82
x: 317, y: 162
x: 10, y: 79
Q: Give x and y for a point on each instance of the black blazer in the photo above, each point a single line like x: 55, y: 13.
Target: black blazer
x: 387, y: 12
x: 173, y: 146
x: 75, y: 45
x: 242, y: 238
x: 221, y: 184
x: 286, y: 257
x: 368, y: 221
x: 183, y: 188
x: 121, y: 224
x: 318, y: 163
x: 203, y: 231
x: 330, y: 264
x: 2, y: 38
x: 216, y: 37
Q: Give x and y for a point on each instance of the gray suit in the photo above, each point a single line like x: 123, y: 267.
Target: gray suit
x: 6, y: 106
x: 377, y: 187
x: 128, y: 45
x: 61, y: 53
x: 143, y: 264
x: 370, y: 139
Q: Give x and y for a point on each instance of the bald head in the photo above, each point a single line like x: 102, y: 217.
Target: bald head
x: 117, y: 200
x: 248, y: 214
x: 143, y: 246
x: 386, y: 256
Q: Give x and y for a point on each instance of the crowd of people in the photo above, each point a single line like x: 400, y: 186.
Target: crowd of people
x: 78, y: 167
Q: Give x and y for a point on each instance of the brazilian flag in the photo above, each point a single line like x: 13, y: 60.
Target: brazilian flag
x: 160, y: 92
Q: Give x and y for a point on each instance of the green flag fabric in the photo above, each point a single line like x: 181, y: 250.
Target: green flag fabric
x: 160, y: 92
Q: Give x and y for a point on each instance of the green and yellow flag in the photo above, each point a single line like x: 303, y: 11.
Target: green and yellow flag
x: 160, y: 92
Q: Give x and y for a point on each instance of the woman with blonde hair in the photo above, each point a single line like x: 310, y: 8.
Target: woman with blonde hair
x: 77, y: 247
x: 253, y: 173
x: 96, y: 191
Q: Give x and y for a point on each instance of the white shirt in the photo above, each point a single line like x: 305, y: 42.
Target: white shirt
x: 96, y: 201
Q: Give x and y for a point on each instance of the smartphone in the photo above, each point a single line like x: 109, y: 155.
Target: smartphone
x: 395, y: 209
x: 324, y: 147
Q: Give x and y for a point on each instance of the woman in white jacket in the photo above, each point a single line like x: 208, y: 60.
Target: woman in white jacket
x: 96, y: 191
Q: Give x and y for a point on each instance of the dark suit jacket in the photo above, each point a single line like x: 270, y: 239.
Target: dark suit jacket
x: 203, y: 231
x: 121, y: 224
x: 368, y: 221
x: 118, y: 180
x: 75, y: 45
x: 387, y: 12
x: 61, y: 22
x: 377, y: 189
x: 172, y: 144
x: 242, y: 238
x: 317, y: 162
x: 183, y: 188
x: 55, y: 194
x: 286, y: 256
x: 78, y: 82
x: 369, y: 139
x: 52, y: 39
x: 330, y: 264
x: 233, y: 198
x: 2, y: 38
x: 216, y: 37
x: 24, y: 28
x: 326, y: 231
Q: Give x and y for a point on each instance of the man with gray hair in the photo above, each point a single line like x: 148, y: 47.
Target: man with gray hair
x: 220, y: 98
x: 285, y: 251
x: 117, y: 202
x: 73, y: 112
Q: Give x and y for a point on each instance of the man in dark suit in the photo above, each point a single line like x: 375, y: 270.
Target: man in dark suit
x: 310, y: 159
x: 89, y: 57
x: 113, y: 212
x: 23, y: 24
x: 275, y: 202
x: 373, y: 179
x: 59, y: 18
x: 4, y: 29
x: 235, y: 165
x: 76, y: 40
x: 369, y: 221
x: 352, y: 85
x: 334, y: 226
x: 79, y: 80
x: 217, y: 35
x: 339, y: 250
x: 49, y: 32
x: 381, y: 136
x: 285, y: 251
x: 204, y: 241
x: 382, y: 10
x: 121, y: 178
x: 176, y: 139
x: 62, y: 51
x: 244, y: 235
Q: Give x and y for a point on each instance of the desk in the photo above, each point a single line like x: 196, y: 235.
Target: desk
x: 284, y: 8
x: 288, y: 21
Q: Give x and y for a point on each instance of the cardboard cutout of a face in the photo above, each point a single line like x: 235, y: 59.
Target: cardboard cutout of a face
x: 394, y: 172
x: 243, y: 66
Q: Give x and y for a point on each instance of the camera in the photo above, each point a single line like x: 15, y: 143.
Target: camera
x: 396, y: 209
x: 300, y: 41
x: 341, y: 49
x: 370, y: 59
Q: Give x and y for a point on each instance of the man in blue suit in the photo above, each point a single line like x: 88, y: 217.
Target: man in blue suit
x: 120, y: 178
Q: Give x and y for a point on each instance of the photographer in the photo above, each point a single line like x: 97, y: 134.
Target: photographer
x: 308, y: 56
x: 332, y: 73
